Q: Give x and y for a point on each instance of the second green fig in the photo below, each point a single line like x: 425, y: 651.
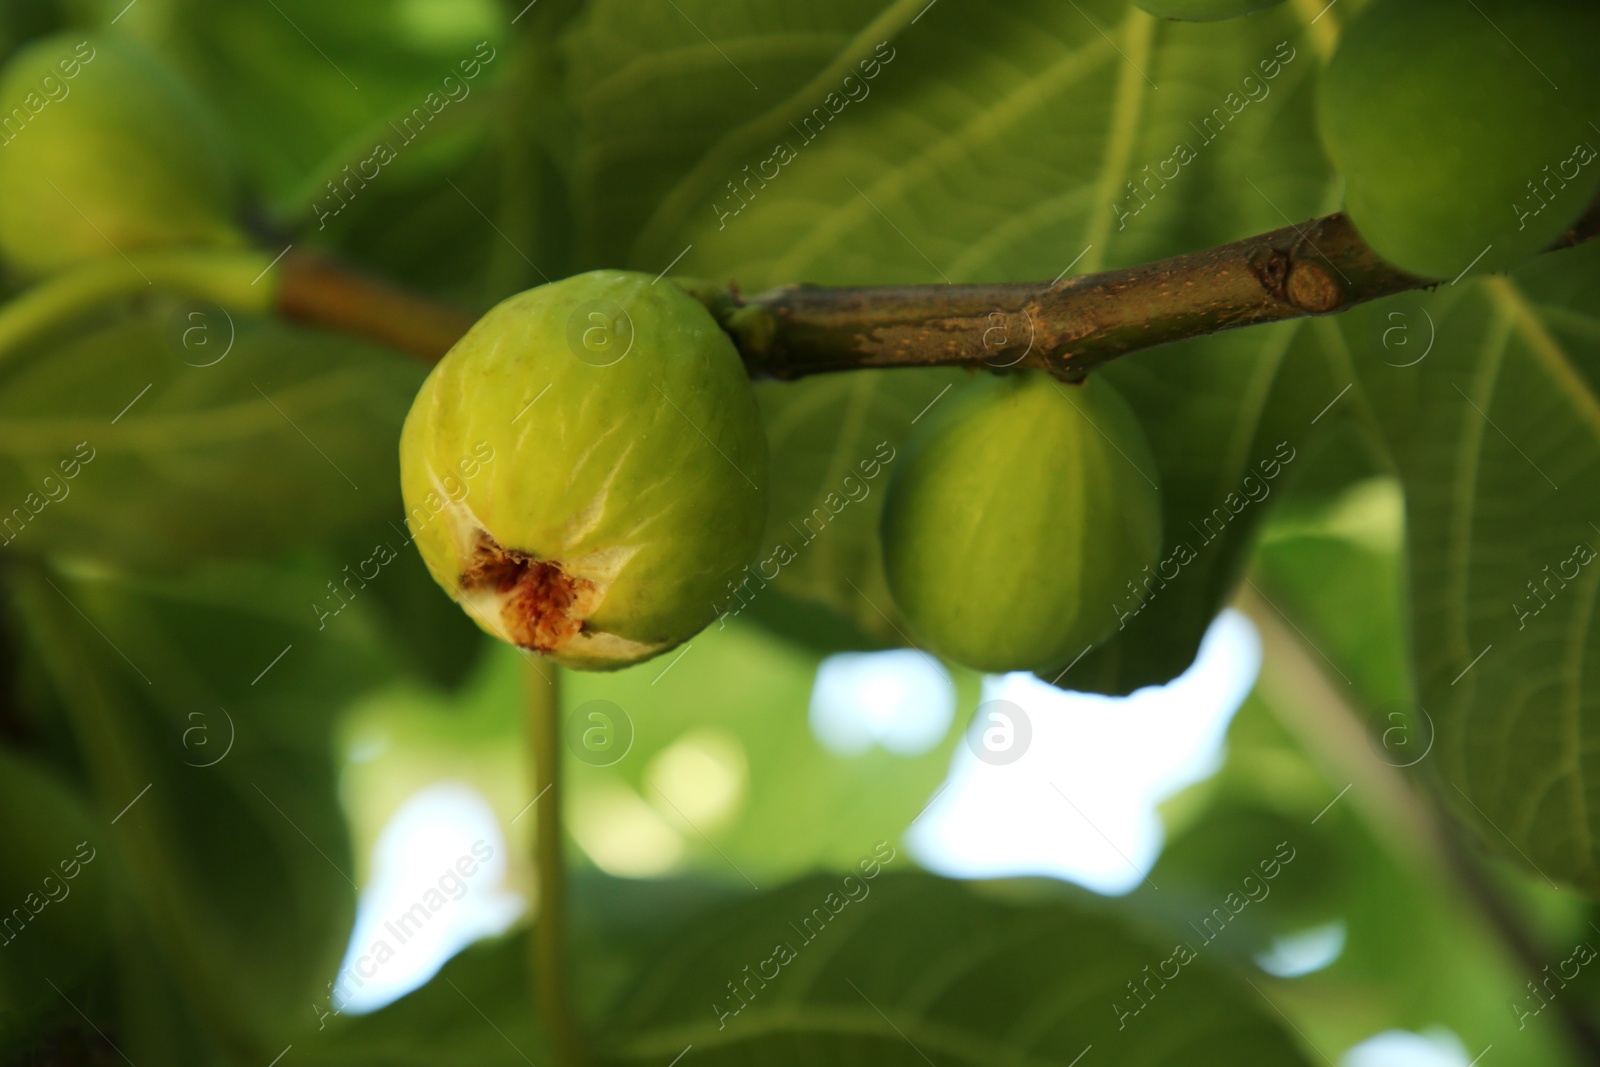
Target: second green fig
x: 1017, y: 518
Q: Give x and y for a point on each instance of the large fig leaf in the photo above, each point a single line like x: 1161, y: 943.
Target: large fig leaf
x: 203, y: 708
x: 846, y: 144
x: 907, y: 969
x: 897, y: 968
x: 1496, y: 433
x: 139, y: 445
x: 305, y: 87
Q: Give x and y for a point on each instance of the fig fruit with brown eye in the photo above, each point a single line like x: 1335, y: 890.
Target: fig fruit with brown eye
x: 586, y: 471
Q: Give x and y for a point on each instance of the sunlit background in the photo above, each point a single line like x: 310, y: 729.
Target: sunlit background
x: 1092, y: 800
x: 1079, y: 804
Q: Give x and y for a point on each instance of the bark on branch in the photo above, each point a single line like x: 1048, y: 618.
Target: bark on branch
x: 1067, y: 327
x: 320, y: 292
x: 1071, y: 326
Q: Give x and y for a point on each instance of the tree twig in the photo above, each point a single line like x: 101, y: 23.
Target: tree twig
x: 1067, y: 327
x: 1073, y: 325
x: 321, y: 292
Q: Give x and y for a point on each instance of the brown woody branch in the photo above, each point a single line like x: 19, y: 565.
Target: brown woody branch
x: 320, y: 292
x: 1067, y: 327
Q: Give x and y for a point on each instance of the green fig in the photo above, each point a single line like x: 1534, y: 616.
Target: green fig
x: 1016, y: 519
x: 104, y: 151
x: 1203, y: 10
x: 586, y: 470
x: 1463, y: 130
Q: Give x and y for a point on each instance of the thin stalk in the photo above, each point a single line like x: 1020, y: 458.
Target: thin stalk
x: 234, y: 279
x: 552, y: 977
x: 320, y: 292
x: 297, y: 286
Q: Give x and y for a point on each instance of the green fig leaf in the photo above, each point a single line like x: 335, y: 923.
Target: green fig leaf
x: 908, y: 969
x: 307, y: 88
x: 138, y: 445
x: 1496, y: 435
x: 1337, y: 572
x: 62, y: 927
x: 1363, y: 891
x: 204, y: 708
x: 447, y: 249
x: 878, y: 986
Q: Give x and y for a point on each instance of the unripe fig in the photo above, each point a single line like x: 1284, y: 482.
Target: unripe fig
x: 104, y: 150
x: 1462, y: 131
x: 1203, y: 10
x: 1016, y: 519
x: 586, y: 470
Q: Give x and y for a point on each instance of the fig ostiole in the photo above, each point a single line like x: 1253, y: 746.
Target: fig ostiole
x: 586, y: 470
x: 1016, y: 518
x: 114, y: 154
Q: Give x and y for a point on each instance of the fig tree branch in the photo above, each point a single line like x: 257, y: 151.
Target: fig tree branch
x: 1066, y: 327
x: 321, y: 292
x: 1071, y: 326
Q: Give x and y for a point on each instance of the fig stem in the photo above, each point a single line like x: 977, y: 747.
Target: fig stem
x: 321, y: 292
x: 228, y: 278
x: 1066, y: 327
x: 1070, y: 326
x: 552, y: 978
